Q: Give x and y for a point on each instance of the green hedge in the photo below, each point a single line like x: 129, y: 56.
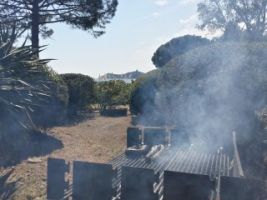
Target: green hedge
x: 81, y: 90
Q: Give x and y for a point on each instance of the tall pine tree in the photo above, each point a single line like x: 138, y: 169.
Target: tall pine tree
x: 35, y: 15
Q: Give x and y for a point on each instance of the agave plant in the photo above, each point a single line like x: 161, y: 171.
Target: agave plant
x: 31, y: 96
x: 21, y: 90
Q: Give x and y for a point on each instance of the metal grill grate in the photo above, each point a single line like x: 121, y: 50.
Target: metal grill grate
x: 181, y: 160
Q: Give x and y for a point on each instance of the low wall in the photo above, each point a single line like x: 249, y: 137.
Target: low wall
x: 114, y: 112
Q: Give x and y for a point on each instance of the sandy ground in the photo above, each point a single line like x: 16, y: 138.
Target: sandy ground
x: 96, y: 140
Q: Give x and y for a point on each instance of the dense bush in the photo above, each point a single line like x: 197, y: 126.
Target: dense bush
x: 143, y: 93
x: 210, y: 91
x: 54, y: 109
x: 113, y: 93
x: 245, y: 61
x: 81, y: 91
x: 175, y: 47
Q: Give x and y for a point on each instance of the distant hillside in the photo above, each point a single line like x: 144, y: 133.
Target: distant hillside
x: 127, y: 77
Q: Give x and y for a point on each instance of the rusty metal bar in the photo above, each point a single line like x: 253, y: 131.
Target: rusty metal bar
x: 237, y: 171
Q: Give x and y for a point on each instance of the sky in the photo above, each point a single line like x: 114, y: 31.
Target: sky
x: 137, y: 30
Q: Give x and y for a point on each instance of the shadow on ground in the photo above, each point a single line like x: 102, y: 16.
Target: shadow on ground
x: 34, y: 144
x: 7, y: 188
x: 18, y: 146
x: 79, y: 118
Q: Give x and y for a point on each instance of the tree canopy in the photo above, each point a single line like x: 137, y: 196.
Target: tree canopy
x: 113, y: 93
x: 175, y: 47
x: 248, y: 15
x: 207, y: 93
x: 35, y: 15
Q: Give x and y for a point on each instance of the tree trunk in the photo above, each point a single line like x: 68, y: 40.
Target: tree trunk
x: 35, y: 27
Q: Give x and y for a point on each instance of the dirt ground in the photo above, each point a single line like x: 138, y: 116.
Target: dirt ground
x: 97, y: 139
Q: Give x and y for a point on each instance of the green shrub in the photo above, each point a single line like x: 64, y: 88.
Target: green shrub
x: 81, y: 89
x: 143, y: 93
x: 191, y: 71
x: 113, y: 93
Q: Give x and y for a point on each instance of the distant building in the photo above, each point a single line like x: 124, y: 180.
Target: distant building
x: 127, y: 77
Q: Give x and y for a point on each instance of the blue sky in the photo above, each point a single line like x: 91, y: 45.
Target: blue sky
x: 137, y: 30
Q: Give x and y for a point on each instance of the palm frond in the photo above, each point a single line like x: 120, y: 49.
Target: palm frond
x: 20, y: 91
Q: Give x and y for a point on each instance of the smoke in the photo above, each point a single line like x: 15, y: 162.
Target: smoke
x: 209, y: 93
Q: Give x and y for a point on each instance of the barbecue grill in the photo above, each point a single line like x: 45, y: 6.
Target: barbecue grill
x: 152, y: 168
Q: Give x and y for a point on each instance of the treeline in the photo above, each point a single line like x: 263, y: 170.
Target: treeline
x: 84, y: 93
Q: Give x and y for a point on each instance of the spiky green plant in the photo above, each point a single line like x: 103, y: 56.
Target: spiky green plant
x: 32, y: 96
x: 25, y: 87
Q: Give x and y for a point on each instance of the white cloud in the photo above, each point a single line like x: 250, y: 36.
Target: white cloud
x: 161, y: 2
x: 190, y: 21
x: 188, y: 26
x: 156, y: 14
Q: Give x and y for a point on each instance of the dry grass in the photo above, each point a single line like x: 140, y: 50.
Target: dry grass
x: 94, y: 140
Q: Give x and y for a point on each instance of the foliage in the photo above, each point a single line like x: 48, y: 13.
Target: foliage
x: 32, y: 96
x: 232, y: 32
x: 35, y: 15
x: 9, y: 33
x: 248, y: 15
x: 143, y: 93
x: 27, y: 89
x: 81, y: 91
x: 16, y: 64
x: 175, y: 47
x: 113, y: 93
x: 209, y: 76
